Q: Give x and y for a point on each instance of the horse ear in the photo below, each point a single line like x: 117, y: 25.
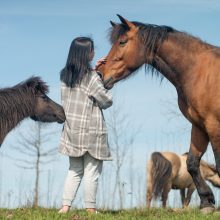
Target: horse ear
x: 127, y: 23
x: 113, y: 23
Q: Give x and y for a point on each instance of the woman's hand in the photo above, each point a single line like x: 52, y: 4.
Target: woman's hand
x: 100, y: 62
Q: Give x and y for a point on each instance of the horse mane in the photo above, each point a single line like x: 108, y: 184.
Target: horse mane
x: 18, y: 102
x: 152, y: 36
x: 34, y: 84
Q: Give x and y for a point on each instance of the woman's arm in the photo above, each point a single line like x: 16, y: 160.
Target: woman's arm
x: 102, y: 96
x: 100, y: 62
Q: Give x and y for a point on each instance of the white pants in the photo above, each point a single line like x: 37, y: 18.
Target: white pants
x: 86, y: 167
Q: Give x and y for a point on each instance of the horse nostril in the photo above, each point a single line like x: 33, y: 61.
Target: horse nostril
x: 61, y: 116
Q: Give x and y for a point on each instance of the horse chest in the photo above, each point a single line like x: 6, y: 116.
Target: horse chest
x: 193, y: 115
x: 189, y: 112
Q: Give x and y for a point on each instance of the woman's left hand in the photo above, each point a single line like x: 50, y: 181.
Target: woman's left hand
x: 100, y: 62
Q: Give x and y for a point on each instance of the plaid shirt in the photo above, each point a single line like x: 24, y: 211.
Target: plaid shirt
x: 85, y: 129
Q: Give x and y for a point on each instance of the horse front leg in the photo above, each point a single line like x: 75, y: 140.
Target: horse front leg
x: 198, y: 146
x: 217, y: 158
x: 215, y: 142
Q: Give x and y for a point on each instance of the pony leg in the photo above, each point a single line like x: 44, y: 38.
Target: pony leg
x: 166, y: 190
x: 198, y: 146
x: 149, y: 185
x: 190, y: 191
x: 182, y: 194
x: 149, y: 195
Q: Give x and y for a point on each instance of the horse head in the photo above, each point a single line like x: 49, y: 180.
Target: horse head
x: 46, y: 110
x: 126, y: 54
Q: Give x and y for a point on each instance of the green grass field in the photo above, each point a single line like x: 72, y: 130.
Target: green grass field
x: 152, y: 214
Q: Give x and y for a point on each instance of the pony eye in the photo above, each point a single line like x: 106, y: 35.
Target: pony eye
x: 44, y: 97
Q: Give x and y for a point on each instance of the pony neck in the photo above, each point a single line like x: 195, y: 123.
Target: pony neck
x: 210, y: 173
x: 16, y: 104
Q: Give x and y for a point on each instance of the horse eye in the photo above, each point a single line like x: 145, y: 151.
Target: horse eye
x: 44, y: 97
x: 123, y: 42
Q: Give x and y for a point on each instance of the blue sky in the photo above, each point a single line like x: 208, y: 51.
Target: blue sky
x: 35, y: 37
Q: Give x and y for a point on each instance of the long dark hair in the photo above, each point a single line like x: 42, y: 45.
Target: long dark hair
x: 78, y: 61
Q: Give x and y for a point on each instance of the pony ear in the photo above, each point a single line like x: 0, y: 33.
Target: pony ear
x: 113, y: 23
x: 127, y: 23
x: 41, y: 87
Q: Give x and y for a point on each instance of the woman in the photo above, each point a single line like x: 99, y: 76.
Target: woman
x: 84, y: 137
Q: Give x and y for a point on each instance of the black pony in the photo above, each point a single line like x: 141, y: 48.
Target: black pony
x: 27, y: 99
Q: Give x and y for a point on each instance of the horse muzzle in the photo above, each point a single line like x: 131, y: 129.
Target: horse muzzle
x: 109, y: 83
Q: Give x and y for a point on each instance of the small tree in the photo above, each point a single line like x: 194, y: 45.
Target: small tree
x: 121, y: 138
x: 32, y: 152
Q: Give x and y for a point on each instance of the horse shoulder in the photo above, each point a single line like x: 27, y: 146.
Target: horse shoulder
x: 204, y: 76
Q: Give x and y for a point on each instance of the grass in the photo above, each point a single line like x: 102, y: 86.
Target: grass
x: 133, y: 214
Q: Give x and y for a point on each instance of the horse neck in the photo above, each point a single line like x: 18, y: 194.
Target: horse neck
x: 16, y: 104
x: 210, y: 174
x: 176, y: 57
x: 163, y: 67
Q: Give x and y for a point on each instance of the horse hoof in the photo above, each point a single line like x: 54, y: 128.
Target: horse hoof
x: 207, y: 210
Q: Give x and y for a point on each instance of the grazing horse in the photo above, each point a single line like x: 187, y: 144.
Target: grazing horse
x: 167, y: 170
x: 191, y: 65
x: 27, y: 99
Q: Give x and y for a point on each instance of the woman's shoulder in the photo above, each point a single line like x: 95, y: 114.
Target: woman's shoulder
x: 95, y: 75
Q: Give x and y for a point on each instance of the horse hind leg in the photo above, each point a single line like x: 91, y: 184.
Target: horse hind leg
x: 166, y: 190
x: 149, y: 195
x: 149, y: 185
x: 198, y: 146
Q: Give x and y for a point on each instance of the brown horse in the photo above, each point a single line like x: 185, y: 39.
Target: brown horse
x: 167, y: 170
x: 27, y: 99
x: 191, y: 65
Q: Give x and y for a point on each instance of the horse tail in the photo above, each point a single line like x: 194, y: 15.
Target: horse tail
x: 161, y: 172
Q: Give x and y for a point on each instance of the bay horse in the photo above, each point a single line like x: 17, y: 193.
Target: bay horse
x: 191, y: 65
x: 167, y: 170
x: 27, y: 99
